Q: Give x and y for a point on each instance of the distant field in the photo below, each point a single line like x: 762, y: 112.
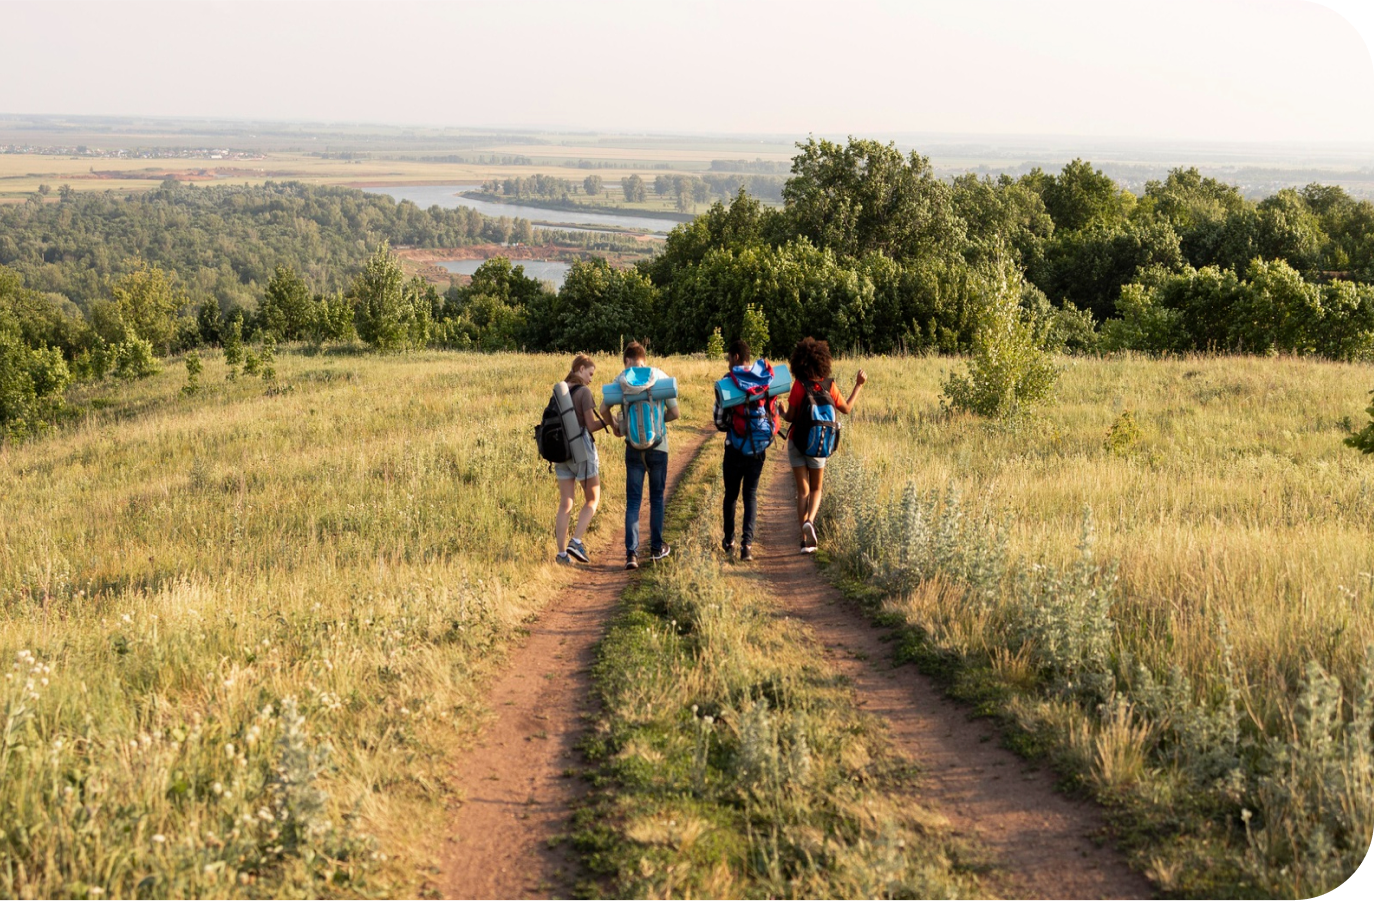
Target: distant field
x: 21, y: 174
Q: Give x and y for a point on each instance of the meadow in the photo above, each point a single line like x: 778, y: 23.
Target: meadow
x: 1165, y: 577
x: 244, y: 632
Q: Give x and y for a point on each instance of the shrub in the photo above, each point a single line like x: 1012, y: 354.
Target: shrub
x: 754, y: 328
x: 715, y: 345
x: 1363, y: 440
x: 193, y: 370
x: 32, y: 381
x: 1010, y: 370
x: 133, y: 359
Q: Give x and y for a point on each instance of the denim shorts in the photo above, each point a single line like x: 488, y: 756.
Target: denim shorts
x: 580, y: 471
x: 798, y: 459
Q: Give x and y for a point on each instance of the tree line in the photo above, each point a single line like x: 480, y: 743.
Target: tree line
x: 869, y: 250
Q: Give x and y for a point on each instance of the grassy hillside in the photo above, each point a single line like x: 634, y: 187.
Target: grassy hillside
x: 242, y: 631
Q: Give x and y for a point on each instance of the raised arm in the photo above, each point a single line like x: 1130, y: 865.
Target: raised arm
x: 847, y: 406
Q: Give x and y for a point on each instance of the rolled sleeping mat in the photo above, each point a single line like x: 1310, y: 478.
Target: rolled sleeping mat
x: 663, y: 389
x: 571, y: 427
x: 730, y: 395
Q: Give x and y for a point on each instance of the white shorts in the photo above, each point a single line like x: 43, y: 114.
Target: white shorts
x: 580, y: 471
x: 798, y: 459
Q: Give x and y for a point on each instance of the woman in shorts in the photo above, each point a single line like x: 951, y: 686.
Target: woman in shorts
x: 810, y: 365
x: 570, y: 473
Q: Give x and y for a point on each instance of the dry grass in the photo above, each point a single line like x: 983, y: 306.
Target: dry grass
x: 219, y: 608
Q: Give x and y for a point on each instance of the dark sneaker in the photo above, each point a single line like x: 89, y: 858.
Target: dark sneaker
x: 563, y: 560
x: 728, y: 547
x: 809, y: 534
x: 746, y: 552
x: 579, y: 550
x: 661, y: 552
x: 631, y: 561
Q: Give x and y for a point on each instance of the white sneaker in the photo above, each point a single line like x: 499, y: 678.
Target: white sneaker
x: 809, y: 536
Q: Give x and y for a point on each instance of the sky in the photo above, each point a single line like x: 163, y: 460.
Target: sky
x: 1246, y: 71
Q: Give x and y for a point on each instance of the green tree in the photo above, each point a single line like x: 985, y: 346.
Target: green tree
x: 715, y: 345
x: 754, y: 328
x: 866, y: 197
x: 148, y: 302
x: 286, y: 308
x: 599, y: 303
x: 32, y: 381
x: 233, y: 346
x: 633, y: 188
x: 390, y: 314
x: 1010, y: 370
x: 193, y: 369
x: 1081, y: 195
x: 1363, y: 440
x: 592, y: 185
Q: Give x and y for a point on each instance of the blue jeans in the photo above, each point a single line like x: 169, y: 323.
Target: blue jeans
x: 654, y: 463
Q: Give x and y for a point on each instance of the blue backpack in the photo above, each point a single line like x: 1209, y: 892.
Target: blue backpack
x: 643, y: 424
x: 752, y: 422
x: 820, y: 435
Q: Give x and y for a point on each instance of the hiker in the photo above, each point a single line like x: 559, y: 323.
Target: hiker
x: 571, y: 472
x: 811, y: 408
x: 749, y: 427
x: 642, y: 422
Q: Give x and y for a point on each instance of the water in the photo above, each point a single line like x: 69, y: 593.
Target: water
x: 450, y: 197
x: 544, y: 270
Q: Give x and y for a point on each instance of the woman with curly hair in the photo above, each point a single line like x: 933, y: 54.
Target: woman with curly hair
x: 811, y: 386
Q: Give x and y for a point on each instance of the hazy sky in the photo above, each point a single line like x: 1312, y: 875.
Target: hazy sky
x: 1232, y: 70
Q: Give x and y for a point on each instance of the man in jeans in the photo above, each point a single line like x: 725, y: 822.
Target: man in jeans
x: 638, y: 464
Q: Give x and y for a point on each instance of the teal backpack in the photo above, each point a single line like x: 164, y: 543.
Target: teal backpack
x: 643, y: 424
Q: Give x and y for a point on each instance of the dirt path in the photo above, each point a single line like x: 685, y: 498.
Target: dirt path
x: 1040, y: 841
x: 516, y: 797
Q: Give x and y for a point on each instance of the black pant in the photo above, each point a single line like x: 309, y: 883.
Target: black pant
x: 739, y: 468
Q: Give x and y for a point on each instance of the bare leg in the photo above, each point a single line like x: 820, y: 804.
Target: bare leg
x: 591, y: 496
x: 803, y: 492
x: 813, y: 507
x: 566, y: 489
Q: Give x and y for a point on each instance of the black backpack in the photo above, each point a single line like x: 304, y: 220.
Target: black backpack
x: 550, y: 436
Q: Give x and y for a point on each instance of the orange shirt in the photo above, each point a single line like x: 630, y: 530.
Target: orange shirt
x: 799, y: 393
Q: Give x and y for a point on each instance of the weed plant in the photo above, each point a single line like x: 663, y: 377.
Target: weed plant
x: 730, y: 759
x: 1180, y: 615
x: 243, y: 632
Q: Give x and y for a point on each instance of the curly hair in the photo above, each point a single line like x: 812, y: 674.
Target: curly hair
x: 811, y: 360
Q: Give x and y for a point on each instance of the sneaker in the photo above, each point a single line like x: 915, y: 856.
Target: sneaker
x: 728, y: 547
x: 579, y: 550
x: 563, y: 560
x: 631, y: 561
x: 809, y: 534
x: 661, y: 552
x: 746, y: 552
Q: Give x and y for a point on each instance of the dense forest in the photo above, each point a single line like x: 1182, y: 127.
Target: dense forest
x: 869, y: 249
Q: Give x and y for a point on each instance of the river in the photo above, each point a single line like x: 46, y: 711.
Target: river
x: 450, y: 197
x: 544, y: 270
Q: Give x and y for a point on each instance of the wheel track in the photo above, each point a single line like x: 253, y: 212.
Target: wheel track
x: 1042, y: 844
x: 516, y: 798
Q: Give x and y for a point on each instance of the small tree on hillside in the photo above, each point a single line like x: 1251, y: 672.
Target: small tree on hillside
x: 715, y: 345
x: 754, y: 329
x: 233, y: 347
x: 1010, y: 369
x: 1363, y: 440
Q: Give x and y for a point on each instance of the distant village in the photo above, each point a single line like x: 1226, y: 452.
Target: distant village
x: 138, y: 153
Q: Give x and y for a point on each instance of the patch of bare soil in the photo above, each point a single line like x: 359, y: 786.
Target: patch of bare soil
x: 1042, y: 844
x: 516, y: 784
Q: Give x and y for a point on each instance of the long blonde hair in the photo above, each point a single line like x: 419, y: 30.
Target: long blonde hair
x: 578, y: 362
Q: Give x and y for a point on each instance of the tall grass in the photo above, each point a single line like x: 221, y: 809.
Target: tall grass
x: 244, y: 631
x: 1166, y: 576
